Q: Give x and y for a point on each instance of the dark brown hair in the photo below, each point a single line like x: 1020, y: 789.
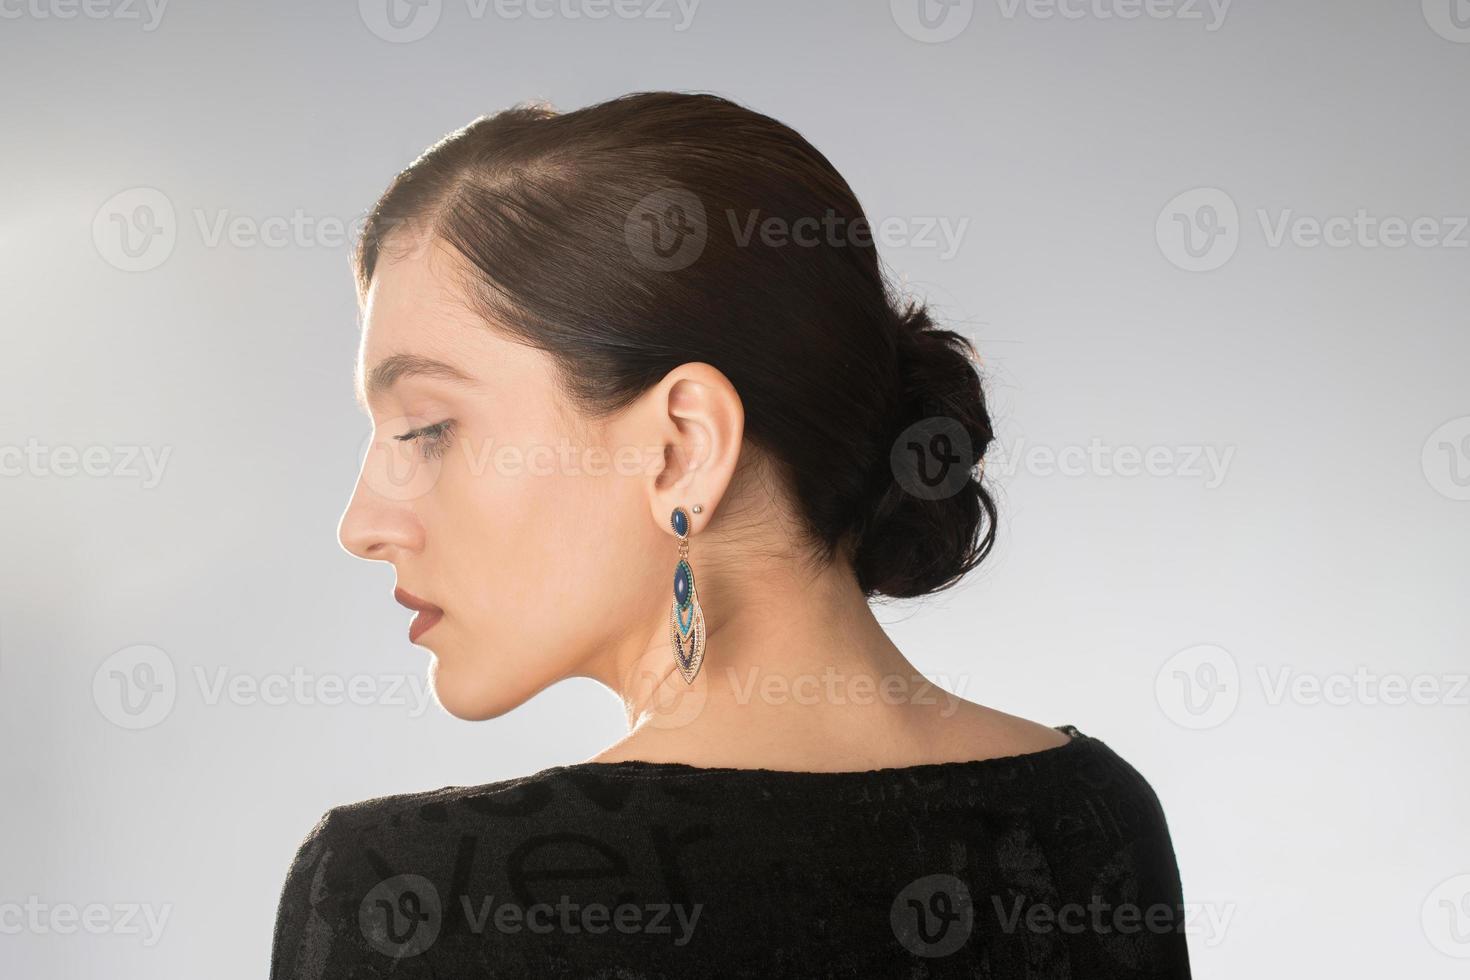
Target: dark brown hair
x: 632, y: 236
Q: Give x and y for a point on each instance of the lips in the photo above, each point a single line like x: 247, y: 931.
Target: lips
x: 428, y: 613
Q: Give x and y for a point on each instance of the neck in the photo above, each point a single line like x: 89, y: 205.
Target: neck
x: 794, y: 657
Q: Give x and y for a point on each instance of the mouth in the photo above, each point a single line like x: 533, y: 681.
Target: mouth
x: 428, y: 613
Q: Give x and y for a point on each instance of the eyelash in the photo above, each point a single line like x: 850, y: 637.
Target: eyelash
x: 433, y: 439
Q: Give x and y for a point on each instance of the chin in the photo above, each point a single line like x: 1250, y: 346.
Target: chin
x: 471, y: 694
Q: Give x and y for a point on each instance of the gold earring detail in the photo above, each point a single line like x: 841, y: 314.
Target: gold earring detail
x: 686, y: 618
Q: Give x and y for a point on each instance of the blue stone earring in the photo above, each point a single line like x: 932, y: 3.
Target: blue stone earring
x: 686, y: 619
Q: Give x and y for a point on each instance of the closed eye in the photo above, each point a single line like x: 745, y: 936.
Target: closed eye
x: 433, y: 439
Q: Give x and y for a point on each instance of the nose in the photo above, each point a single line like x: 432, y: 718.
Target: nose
x: 378, y: 526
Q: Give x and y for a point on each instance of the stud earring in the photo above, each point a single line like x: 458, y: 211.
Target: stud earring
x: 686, y: 618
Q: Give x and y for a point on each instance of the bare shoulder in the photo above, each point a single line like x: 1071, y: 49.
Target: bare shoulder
x: 976, y: 732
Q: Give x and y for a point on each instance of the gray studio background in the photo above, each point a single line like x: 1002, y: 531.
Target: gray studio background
x: 1235, y: 458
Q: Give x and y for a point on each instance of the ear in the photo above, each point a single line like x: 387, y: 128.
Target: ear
x: 700, y: 422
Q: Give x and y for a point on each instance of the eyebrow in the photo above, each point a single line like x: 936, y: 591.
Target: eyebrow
x: 394, y: 368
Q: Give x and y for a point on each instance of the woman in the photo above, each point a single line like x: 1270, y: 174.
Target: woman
x: 649, y: 342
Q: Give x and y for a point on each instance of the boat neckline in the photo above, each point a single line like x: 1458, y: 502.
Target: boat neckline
x: 641, y: 767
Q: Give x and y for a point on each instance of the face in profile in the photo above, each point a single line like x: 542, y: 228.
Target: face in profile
x: 500, y: 506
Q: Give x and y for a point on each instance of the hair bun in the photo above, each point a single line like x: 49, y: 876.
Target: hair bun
x: 928, y: 519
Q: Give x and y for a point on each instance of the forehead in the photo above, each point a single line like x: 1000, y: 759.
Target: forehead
x: 418, y: 308
x: 417, y: 304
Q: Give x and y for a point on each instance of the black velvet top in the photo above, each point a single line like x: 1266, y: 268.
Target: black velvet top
x: 1051, y: 864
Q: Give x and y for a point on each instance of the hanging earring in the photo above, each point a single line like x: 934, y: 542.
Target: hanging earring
x: 686, y: 619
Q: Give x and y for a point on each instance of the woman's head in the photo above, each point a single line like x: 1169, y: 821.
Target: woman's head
x: 575, y: 322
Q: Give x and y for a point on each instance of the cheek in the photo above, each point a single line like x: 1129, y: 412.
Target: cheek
x: 548, y: 561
